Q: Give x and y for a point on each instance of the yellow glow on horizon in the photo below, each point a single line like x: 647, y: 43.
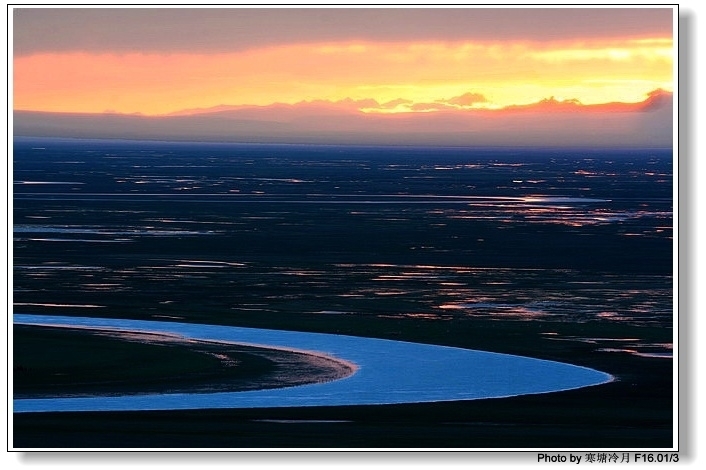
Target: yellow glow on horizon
x: 640, y: 51
x: 504, y: 73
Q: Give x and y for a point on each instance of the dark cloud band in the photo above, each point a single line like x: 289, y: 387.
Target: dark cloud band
x: 38, y: 30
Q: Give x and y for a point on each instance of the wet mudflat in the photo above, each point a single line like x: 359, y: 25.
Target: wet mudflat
x: 563, y: 255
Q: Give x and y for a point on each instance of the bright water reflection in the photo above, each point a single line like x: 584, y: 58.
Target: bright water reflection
x: 388, y: 371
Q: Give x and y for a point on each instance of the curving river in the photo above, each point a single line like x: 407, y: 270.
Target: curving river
x: 387, y: 372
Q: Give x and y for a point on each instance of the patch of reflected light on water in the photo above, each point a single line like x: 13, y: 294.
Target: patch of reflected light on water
x: 110, y: 287
x: 422, y: 316
x: 37, y: 304
x: 169, y: 317
x: 391, y: 292
x: 47, y: 182
x: 633, y: 346
x: 83, y: 230
x: 658, y: 355
x: 301, y: 421
x: 74, y: 240
x: 499, y: 311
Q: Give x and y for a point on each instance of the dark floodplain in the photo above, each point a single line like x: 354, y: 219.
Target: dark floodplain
x: 559, y: 254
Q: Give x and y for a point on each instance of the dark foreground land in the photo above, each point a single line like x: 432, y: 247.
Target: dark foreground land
x: 635, y: 411
x: 51, y: 362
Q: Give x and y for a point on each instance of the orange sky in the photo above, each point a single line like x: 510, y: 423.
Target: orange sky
x: 497, y: 72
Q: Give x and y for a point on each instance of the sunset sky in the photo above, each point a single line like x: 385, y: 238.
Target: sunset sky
x: 157, y: 61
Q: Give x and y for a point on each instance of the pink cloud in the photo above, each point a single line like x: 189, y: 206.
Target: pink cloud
x: 466, y: 100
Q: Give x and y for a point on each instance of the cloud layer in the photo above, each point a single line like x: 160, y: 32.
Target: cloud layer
x: 546, y: 123
x: 39, y: 30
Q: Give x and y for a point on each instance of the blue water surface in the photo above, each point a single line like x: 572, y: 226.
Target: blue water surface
x: 388, y: 372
